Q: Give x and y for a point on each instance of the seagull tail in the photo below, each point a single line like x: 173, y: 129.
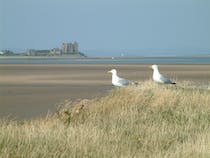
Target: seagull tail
x: 135, y: 83
x: 173, y: 83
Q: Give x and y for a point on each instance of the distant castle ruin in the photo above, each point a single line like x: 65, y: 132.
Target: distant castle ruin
x: 69, y: 48
x: 65, y: 49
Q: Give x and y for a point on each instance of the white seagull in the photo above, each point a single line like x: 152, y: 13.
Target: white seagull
x: 117, y: 81
x: 159, y: 78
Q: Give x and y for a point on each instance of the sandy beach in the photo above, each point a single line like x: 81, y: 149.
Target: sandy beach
x: 28, y: 91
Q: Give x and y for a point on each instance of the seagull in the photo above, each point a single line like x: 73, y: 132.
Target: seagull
x: 159, y: 78
x: 117, y: 81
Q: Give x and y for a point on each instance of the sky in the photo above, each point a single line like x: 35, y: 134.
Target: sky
x: 108, y: 27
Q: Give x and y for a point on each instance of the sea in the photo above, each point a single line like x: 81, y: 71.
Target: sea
x: 111, y: 60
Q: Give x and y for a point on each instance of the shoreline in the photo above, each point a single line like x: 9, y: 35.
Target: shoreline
x: 185, y: 60
x: 108, y: 57
x: 32, y: 90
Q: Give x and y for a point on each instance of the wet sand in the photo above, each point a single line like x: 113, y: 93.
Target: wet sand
x: 28, y: 91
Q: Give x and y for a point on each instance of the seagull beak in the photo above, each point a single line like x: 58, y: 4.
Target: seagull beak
x: 109, y: 72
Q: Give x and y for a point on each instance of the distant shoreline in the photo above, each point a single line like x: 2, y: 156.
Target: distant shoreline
x: 41, y: 57
x: 102, y: 57
x: 104, y: 60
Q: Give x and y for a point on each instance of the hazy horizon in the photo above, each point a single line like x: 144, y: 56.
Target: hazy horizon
x: 105, y: 28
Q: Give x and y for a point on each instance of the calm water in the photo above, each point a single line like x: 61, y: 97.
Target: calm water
x: 146, y: 60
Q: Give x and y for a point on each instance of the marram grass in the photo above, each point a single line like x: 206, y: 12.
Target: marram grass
x: 149, y: 120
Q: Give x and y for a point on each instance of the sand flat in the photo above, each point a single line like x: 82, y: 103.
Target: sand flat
x: 28, y: 91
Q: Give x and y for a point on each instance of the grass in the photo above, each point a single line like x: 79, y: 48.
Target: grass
x: 149, y: 120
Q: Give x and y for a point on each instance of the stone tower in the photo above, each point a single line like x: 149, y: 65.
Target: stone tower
x: 69, y: 48
x: 75, y: 47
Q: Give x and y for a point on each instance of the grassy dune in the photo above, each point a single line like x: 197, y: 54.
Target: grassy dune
x: 145, y: 121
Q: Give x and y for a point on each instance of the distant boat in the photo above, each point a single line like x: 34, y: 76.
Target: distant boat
x: 112, y: 57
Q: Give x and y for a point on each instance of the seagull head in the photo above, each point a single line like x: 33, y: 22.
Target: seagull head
x: 154, y: 67
x: 113, y: 71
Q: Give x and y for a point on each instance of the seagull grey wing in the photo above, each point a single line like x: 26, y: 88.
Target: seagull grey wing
x: 165, y: 79
x: 124, y: 81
